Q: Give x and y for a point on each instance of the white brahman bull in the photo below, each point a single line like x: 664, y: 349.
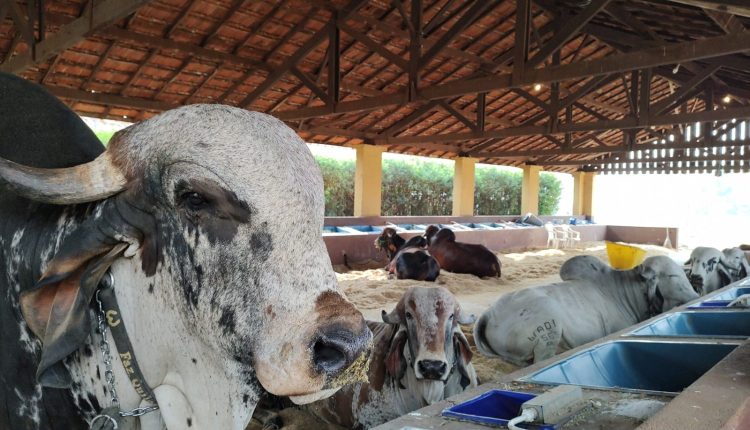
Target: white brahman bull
x: 709, y: 269
x: 534, y: 324
x: 420, y: 356
x: 209, y: 220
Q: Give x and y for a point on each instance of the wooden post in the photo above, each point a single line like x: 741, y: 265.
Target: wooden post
x: 463, y: 186
x: 368, y: 180
x: 583, y: 193
x: 530, y: 189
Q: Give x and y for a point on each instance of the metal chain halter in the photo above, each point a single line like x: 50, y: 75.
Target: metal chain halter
x: 109, y: 375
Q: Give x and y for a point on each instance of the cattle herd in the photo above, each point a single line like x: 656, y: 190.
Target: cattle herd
x: 203, y: 223
x: 421, y: 257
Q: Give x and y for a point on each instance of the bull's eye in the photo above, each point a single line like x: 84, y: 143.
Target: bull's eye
x: 194, y: 201
x: 409, y: 316
x: 451, y: 317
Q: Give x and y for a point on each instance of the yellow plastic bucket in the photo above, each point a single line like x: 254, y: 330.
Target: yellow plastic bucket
x: 624, y: 257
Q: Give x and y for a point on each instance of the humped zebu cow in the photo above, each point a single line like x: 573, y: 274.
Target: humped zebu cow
x: 709, y: 269
x: 420, y: 357
x: 412, y: 262
x: 458, y: 257
x: 391, y: 242
x: 203, y: 225
x: 736, y: 263
x: 407, y: 259
x: 533, y: 324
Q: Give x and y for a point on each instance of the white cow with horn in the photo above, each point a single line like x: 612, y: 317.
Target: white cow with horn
x: 207, y: 220
x: 533, y: 324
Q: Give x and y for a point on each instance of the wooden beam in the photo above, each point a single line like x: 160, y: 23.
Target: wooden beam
x: 728, y: 22
x: 685, y: 90
x: 735, y: 7
x: 458, y: 115
x: 475, y: 11
x: 105, y: 12
x: 481, y: 114
x: 415, y: 50
x: 169, y: 45
x: 650, y: 57
x: 521, y: 48
x: 406, y: 121
x: 111, y: 99
x: 569, y: 29
x: 334, y: 66
x: 378, y: 47
x: 644, y: 102
x: 624, y: 123
x: 22, y: 24
x: 309, y: 83
x: 300, y: 53
x: 622, y: 160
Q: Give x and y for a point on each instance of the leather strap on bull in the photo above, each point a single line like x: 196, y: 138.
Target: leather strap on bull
x: 109, y: 312
x: 113, y: 317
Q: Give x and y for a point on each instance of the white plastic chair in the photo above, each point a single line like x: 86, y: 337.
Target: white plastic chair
x: 571, y: 236
x: 555, y: 237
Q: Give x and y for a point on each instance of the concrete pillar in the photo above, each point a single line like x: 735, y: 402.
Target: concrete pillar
x: 583, y: 193
x: 368, y: 180
x: 530, y: 189
x: 463, y: 186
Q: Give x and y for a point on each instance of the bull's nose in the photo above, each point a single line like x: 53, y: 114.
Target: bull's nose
x: 696, y: 279
x: 336, y: 349
x: 432, y: 369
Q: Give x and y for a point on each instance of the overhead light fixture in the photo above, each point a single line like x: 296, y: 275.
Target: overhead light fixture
x: 726, y: 99
x: 676, y: 69
x: 537, y: 87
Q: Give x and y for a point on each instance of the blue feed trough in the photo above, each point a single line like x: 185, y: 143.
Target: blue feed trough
x: 495, y: 407
x: 699, y: 324
x: 642, y: 365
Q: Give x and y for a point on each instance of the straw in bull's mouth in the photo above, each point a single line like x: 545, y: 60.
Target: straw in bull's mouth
x: 357, y: 372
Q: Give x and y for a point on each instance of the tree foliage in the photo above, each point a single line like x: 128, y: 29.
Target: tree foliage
x: 425, y: 188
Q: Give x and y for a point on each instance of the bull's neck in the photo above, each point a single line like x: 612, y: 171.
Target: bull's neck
x: 32, y: 234
x: 630, y: 289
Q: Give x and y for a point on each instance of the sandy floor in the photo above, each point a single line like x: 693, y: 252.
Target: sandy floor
x: 371, y: 291
x: 367, y: 285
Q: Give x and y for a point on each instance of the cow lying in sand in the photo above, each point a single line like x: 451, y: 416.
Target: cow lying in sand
x: 408, y: 259
x: 420, y: 356
x: 458, y: 257
x: 208, y: 220
x: 709, y: 269
x: 533, y: 324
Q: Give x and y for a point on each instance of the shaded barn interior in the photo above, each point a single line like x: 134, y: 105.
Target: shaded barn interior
x: 591, y: 85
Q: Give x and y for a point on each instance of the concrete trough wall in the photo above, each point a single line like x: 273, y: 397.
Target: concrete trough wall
x: 360, y: 247
x: 645, y: 235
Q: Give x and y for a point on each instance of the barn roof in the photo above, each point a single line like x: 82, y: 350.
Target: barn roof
x: 598, y: 85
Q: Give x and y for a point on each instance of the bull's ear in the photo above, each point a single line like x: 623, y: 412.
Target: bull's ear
x: 466, y: 319
x: 464, y: 355
x: 56, y: 309
x: 391, y: 318
x: 745, y: 271
x: 395, y: 364
x: 725, y: 273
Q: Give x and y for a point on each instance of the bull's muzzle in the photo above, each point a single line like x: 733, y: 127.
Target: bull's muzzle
x: 335, y: 348
x: 432, y: 369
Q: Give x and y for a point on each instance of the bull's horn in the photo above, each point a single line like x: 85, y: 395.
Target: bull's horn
x: 87, y: 182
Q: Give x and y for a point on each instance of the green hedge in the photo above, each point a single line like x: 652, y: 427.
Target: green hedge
x: 425, y: 188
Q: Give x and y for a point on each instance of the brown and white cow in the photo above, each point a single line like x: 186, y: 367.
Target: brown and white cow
x: 420, y: 356
x: 413, y: 262
x: 458, y: 257
x: 208, y: 218
x: 407, y: 259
